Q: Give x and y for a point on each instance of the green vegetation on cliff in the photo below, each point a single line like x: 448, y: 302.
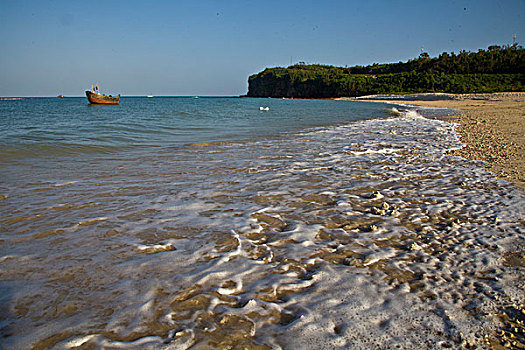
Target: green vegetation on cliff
x: 492, y: 70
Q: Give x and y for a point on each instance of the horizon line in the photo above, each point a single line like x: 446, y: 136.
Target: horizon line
x: 83, y: 96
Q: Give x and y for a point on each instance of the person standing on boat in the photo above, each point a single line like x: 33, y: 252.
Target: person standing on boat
x: 97, y: 89
x: 92, y: 88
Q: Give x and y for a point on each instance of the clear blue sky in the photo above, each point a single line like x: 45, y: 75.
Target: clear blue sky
x: 209, y: 47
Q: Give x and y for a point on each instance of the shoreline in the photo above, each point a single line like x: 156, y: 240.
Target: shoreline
x: 350, y: 235
x: 492, y: 127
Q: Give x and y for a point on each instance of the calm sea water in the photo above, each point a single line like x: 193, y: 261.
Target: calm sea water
x: 39, y: 127
x: 208, y: 223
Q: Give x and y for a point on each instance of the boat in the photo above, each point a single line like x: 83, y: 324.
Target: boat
x: 60, y: 96
x: 97, y: 98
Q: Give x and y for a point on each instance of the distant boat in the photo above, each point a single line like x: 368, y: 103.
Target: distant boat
x: 60, y: 96
x: 149, y: 96
x: 96, y: 98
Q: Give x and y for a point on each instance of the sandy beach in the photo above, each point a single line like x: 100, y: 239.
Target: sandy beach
x: 492, y: 126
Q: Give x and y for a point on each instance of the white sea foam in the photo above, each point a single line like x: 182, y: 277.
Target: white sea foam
x: 349, y: 236
x: 65, y: 183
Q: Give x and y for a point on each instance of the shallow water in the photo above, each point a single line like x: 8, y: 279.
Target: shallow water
x: 40, y: 127
x: 358, y: 235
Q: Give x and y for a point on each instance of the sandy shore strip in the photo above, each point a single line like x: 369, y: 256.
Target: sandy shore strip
x: 492, y: 126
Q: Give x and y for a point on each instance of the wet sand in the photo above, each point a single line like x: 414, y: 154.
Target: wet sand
x: 492, y: 126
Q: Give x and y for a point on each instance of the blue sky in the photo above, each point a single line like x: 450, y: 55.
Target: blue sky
x: 211, y: 47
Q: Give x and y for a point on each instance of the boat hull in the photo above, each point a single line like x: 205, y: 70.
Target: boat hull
x: 101, y: 99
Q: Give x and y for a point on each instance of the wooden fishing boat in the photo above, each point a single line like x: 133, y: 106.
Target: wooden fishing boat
x: 96, y: 98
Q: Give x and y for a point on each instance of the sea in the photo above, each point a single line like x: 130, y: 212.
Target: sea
x: 241, y: 223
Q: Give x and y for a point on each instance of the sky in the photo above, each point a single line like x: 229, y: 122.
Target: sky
x: 186, y: 48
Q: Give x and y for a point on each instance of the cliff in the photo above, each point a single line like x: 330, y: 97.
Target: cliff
x: 492, y: 70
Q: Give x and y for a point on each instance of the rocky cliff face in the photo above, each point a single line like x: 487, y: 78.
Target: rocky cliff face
x: 282, y: 82
x: 270, y: 85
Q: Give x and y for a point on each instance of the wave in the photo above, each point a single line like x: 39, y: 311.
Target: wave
x: 37, y: 150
